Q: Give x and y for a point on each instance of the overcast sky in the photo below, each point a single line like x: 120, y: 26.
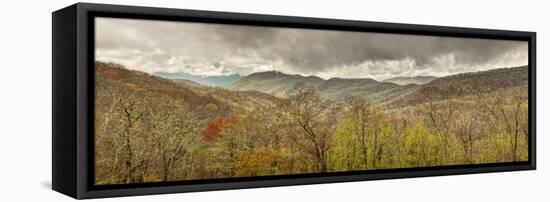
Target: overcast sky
x: 213, y: 49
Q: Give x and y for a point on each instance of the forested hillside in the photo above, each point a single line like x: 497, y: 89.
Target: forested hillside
x: 461, y: 85
x: 151, y: 129
x: 387, y: 93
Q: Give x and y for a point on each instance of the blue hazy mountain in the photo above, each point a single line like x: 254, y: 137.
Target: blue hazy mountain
x: 411, y: 80
x: 278, y: 84
x: 215, y: 81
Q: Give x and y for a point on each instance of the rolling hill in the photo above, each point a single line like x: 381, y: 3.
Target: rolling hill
x: 216, y: 101
x: 111, y: 77
x: 272, y: 82
x: 265, y: 88
x: 387, y: 93
x: 458, y: 85
x: 218, y: 133
x: 277, y: 84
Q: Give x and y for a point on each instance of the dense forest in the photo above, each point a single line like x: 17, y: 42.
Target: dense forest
x: 152, y: 129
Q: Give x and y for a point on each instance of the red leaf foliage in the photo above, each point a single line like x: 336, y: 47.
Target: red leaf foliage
x: 214, y: 127
x: 114, y: 75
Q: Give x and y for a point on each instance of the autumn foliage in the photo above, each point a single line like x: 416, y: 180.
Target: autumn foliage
x: 149, y: 129
x: 214, y: 127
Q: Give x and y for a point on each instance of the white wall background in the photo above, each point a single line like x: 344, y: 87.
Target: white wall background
x: 25, y: 102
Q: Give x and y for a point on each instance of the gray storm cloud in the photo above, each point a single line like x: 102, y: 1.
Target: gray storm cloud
x: 214, y: 49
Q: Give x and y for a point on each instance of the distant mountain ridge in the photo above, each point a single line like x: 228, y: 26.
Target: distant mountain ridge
x: 278, y: 84
x: 272, y: 82
x: 405, y: 80
x: 388, y: 93
x: 215, y: 81
x: 265, y: 88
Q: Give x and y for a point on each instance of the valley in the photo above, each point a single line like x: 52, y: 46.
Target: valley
x: 167, y: 127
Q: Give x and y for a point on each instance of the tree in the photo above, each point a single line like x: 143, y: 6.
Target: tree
x: 420, y: 147
x: 467, y: 130
x: 440, y: 115
x: 261, y: 162
x: 360, y: 139
x: 214, y: 128
x: 174, y: 128
x: 315, y: 120
x: 506, y: 113
x: 131, y: 115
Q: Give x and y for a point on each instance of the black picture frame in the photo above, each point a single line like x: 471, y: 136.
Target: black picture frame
x: 73, y: 95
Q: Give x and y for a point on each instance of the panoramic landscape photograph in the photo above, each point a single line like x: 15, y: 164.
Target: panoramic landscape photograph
x: 182, y: 101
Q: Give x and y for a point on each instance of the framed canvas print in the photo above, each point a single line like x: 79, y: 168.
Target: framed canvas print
x: 153, y: 100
